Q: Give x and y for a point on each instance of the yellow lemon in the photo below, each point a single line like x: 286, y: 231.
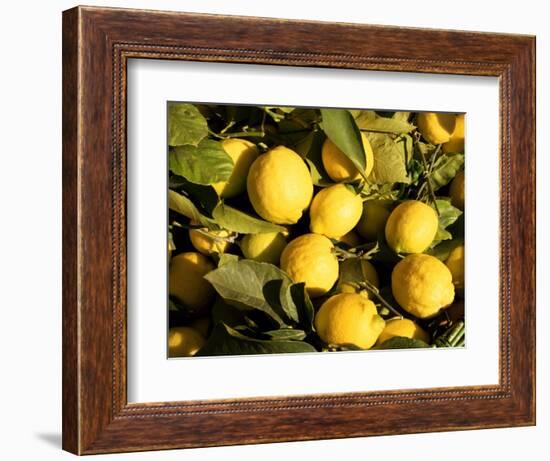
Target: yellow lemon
x: 335, y: 211
x: 411, y: 227
x: 349, y: 318
x: 422, y: 285
x: 402, y: 327
x: 356, y: 270
x: 436, y: 127
x: 243, y: 153
x: 184, y: 342
x: 456, y: 143
x: 266, y: 247
x: 338, y: 165
x: 455, y: 263
x: 310, y: 259
x: 187, y: 282
x: 457, y: 190
x: 351, y: 239
x: 373, y: 220
x: 208, y: 242
x: 279, y: 186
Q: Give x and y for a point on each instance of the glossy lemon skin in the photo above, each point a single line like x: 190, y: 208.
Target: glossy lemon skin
x: 404, y: 328
x: 266, y: 247
x: 243, y: 153
x: 422, y: 285
x: 456, y: 142
x: 338, y: 165
x: 457, y: 191
x: 184, y: 342
x: 187, y: 282
x: 310, y: 259
x: 279, y: 186
x: 455, y: 263
x: 411, y: 227
x: 335, y: 211
x: 436, y: 127
x: 349, y: 318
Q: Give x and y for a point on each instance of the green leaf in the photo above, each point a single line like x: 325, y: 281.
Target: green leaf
x: 310, y: 149
x: 445, y: 169
x: 442, y: 250
x: 390, y: 159
x: 370, y: 121
x: 339, y: 126
x: 226, y: 258
x: 226, y: 313
x: 186, y: 125
x: 206, y: 163
x: 182, y: 205
x: 401, y: 342
x: 448, y: 214
x: 252, y: 285
x: 304, y: 306
x: 238, y: 221
x: 285, y: 334
x: 205, y: 198
x: 225, y: 340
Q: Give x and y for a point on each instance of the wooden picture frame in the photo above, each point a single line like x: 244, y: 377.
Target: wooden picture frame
x: 97, y: 42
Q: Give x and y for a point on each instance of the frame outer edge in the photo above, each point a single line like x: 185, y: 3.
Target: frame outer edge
x: 91, y: 419
x: 70, y: 190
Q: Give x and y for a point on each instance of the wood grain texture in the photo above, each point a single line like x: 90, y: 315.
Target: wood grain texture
x: 97, y: 42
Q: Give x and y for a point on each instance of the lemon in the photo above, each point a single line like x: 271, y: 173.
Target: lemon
x: 184, y: 342
x: 201, y: 325
x: 402, y: 327
x: 338, y: 165
x: 373, y: 220
x: 187, y: 282
x: 266, y: 247
x: 349, y: 318
x: 411, y: 227
x: 208, y: 242
x: 351, y: 239
x: 279, y: 186
x: 335, y: 211
x: 310, y: 259
x: 457, y: 190
x: 456, y: 143
x: 422, y: 285
x: 437, y: 128
x: 455, y: 263
x: 356, y: 270
x: 243, y: 153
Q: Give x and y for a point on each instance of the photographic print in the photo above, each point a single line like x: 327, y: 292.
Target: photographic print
x: 297, y: 229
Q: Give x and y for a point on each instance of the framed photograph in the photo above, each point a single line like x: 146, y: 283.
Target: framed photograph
x: 330, y: 235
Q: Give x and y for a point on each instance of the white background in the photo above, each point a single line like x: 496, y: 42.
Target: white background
x: 30, y: 247
x: 152, y: 378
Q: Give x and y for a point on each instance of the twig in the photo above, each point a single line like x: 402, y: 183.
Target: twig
x: 372, y: 289
x: 427, y: 177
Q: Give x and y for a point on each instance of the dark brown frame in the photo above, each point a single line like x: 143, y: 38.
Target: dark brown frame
x: 97, y: 43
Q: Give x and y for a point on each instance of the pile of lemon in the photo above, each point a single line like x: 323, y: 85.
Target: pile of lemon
x: 279, y: 187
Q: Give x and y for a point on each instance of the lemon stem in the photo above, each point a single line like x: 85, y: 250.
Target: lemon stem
x: 372, y: 289
x: 239, y: 134
x: 427, y: 175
